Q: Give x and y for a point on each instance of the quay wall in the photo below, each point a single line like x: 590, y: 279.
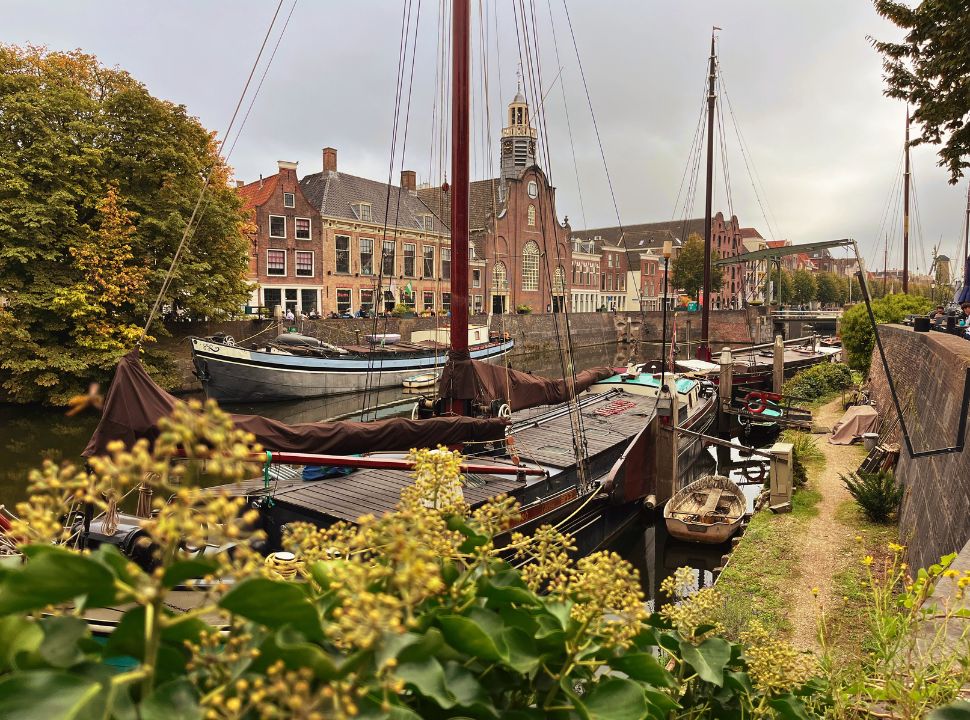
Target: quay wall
x: 928, y: 370
x: 535, y: 333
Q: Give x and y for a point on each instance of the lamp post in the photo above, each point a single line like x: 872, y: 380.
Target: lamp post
x: 668, y: 249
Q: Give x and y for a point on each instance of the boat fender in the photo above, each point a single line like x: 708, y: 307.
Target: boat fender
x: 505, y: 411
x: 416, y: 411
x: 755, y: 473
x: 755, y: 403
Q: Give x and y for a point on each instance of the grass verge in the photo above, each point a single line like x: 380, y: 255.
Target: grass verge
x: 845, y: 620
x: 755, y: 584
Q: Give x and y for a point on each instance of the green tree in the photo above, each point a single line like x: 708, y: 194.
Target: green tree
x: 830, y: 289
x: 687, y: 269
x: 782, y: 289
x: 98, y: 181
x: 804, y: 287
x: 857, y: 337
x: 930, y: 70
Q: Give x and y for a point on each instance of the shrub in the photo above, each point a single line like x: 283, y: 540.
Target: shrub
x: 804, y: 450
x: 523, y: 309
x: 857, y: 337
x: 877, y: 493
x: 400, y: 310
x: 819, y: 380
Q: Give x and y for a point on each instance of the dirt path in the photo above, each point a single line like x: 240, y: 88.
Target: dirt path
x: 821, y: 555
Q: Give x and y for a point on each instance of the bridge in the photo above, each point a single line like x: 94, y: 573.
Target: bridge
x: 798, y: 323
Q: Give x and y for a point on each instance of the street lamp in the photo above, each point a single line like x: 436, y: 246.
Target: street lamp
x: 667, y: 251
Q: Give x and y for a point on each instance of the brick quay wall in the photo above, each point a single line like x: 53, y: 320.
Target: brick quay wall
x: 535, y: 333
x: 928, y: 370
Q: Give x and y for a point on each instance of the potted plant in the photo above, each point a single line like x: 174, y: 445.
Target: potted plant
x: 523, y: 309
x: 402, y: 311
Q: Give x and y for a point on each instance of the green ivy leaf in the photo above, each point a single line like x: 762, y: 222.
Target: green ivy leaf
x: 428, y: 678
x: 957, y: 710
x: 613, y: 699
x: 473, y: 539
x: 506, y: 587
x: 19, y: 636
x: 291, y: 646
x: 475, y: 637
x: 61, y: 636
x: 174, y: 700
x: 188, y: 569
x: 45, y: 695
x: 645, y: 667
x: 789, y: 707
x: 274, y: 603
x: 708, y: 659
x: 55, y: 575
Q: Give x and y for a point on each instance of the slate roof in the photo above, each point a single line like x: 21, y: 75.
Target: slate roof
x: 642, y: 236
x: 335, y: 193
x: 256, y: 193
x: 483, y: 200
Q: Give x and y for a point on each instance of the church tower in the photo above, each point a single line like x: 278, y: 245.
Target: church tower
x: 518, y: 139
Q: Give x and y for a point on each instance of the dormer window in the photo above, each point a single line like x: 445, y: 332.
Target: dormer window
x: 427, y: 222
x: 471, y: 251
x: 289, y: 200
x: 362, y: 211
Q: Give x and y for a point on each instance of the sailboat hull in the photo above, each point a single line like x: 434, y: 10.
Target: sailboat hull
x: 234, y: 374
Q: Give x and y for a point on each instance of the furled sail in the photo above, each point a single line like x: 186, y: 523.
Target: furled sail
x: 466, y: 379
x: 135, y: 404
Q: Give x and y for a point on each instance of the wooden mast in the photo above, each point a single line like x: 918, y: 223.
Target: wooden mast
x: 906, y: 210
x: 704, y: 349
x: 966, y: 238
x: 460, y: 81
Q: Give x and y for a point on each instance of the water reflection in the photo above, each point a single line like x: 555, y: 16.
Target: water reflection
x: 31, y: 434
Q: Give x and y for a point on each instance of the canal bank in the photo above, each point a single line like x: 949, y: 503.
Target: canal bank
x: 534, y: 334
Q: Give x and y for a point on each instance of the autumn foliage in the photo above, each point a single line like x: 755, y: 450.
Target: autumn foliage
x: 97, y: 182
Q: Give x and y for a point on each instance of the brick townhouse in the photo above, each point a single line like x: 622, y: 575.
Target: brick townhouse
x: 285, y: 260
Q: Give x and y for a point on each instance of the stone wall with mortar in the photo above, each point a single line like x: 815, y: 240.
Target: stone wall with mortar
x: 534, y: 333
x: 928, y: 370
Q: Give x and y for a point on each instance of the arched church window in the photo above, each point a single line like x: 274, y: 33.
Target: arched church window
x: 530, y: 265
x: 500, y: 277
x: 532, y: 215
x: 559, y: 281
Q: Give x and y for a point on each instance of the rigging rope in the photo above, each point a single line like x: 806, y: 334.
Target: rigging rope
x: 191, y: 226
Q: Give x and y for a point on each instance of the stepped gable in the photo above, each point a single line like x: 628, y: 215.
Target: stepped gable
x: 335, y: 194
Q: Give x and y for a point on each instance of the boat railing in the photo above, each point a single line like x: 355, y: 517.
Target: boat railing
x: 765, y: 346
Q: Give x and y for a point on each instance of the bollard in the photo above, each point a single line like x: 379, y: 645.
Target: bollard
x: 778, y: 376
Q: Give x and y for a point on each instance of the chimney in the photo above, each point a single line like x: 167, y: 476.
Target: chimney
x: 240, y: 183
x: 409, y: 180
x: 329, y: 159
x: 287, y: 170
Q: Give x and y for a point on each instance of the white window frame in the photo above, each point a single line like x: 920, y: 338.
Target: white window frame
x: 359, y: 210
x: 309, y: 228
x: 296, y: 264
x: 424, y: 258
x: 445, y: 250
x: 274, y: 274
x: 426, y: 306
x: 530, y: 266
x: 360, y: 255
x: 532, y: 216
x: 414, y: 260
x: 361, y: 301
x: 350, y: 301
x: 292, y: 203
x: 281, y: 217
x: 476, y: 277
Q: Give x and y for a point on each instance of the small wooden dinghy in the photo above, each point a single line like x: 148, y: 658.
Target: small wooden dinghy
x: 709, y: 510
x: 422, y: 380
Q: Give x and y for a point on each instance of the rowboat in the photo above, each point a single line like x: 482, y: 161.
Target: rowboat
x: 709, y: 510
x: 423, y: 380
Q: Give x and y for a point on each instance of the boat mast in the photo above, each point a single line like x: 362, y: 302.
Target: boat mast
x: 460, y: 65
x: 966, y: 238
x: 906, y: 210
x: 704, y: 349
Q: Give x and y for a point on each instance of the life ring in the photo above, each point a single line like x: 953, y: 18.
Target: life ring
x: 755, y: 473
x: 755, y: 403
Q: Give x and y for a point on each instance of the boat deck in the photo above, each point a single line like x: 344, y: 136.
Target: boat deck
x: 543, y: 436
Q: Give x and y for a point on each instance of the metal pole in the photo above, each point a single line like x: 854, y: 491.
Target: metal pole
x: 906, y: 211
x: 663, y: 339
x: 460, y: 73
x: 704, y: 349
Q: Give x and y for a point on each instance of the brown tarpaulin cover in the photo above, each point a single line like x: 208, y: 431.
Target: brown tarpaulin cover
x: 858, y: 419
x: 135, y: 404
x: 465, y: 379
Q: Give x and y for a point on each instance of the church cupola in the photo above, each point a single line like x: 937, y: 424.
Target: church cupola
x: 518, y: 139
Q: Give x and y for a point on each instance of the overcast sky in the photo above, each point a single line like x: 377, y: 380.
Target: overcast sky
x: 804, y: 84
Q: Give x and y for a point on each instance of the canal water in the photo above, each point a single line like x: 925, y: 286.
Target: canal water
x: 29, y: 435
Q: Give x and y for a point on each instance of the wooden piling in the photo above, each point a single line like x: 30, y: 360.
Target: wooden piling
x: 779, y: 367
x: 725, y: 391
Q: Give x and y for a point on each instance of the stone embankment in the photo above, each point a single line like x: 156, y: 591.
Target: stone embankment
x: 536, y: 333
x: 929, y: 371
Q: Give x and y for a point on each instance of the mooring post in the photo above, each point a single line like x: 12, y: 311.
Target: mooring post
x: 667, y: 464
x: 779, y: 370
x: 725, y: 390
x: 780, y: 477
